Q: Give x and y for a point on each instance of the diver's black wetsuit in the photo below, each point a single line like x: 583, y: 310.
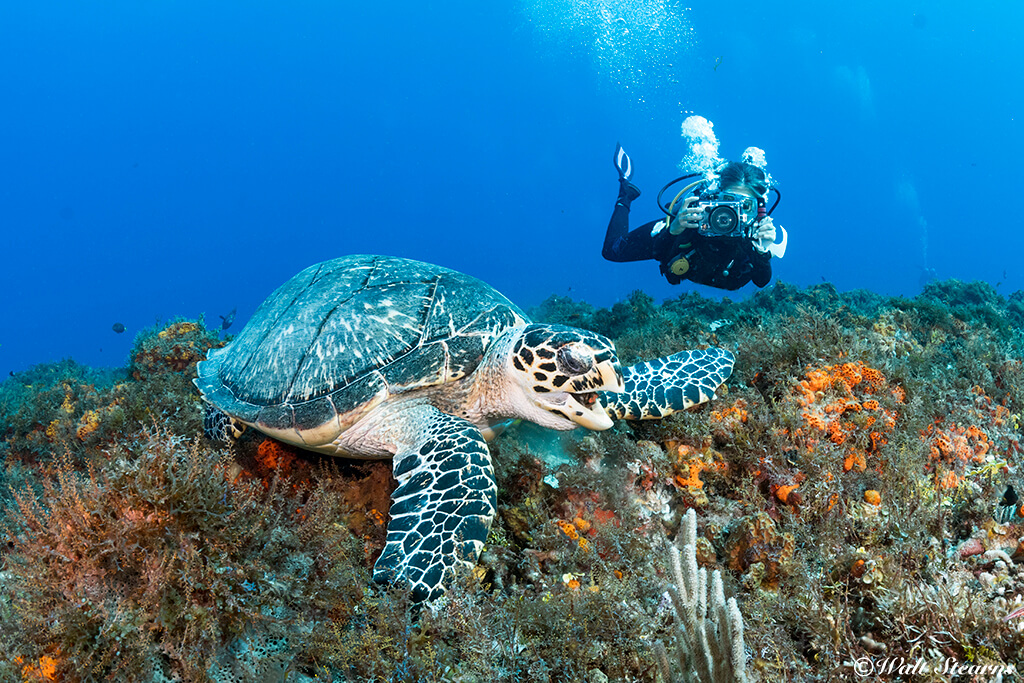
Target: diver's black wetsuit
x: 722, y: 262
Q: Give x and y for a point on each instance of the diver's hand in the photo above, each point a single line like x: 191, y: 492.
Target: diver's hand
x: 688, y: 217
x: 764, y: 235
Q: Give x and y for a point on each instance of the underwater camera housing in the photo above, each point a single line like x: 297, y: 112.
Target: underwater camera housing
x: 726, y: 215
x: 737, y: 213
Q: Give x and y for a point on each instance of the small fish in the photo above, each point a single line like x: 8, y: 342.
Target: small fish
x: 1006, y: 511
x: 718, y: 63
x: 1010, y: 497
x: 118, y: 327
x: 226, y: 320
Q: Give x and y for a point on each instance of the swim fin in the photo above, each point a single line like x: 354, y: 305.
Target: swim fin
x: 622, y: 163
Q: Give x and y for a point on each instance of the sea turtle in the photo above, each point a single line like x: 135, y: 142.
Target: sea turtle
x: 380, y: 357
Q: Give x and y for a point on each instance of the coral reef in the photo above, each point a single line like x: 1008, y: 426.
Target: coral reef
x: 175, y: 348
x: 162, y: 564
x: 855, y: 487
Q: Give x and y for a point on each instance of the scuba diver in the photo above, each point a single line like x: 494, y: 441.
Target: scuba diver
x: 716, y: 232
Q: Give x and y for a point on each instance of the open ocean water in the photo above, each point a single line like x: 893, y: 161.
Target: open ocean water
x: 177, y: 159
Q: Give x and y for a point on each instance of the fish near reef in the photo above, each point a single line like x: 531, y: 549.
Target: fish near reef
x: 118, y: 327
x: 227, y: 320
x: 377, y: 357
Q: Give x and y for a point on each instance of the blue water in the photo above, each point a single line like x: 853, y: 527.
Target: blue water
x: 165, y: 159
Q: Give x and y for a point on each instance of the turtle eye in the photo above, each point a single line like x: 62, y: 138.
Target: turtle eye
x: 574, y: 362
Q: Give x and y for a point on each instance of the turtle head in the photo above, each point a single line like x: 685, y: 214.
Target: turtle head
x: 559, y: 371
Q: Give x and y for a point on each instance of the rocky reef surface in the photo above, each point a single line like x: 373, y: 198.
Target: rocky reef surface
x: 855, y: 487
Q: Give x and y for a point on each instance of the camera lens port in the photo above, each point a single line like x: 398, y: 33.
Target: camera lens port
x: 722, y: 221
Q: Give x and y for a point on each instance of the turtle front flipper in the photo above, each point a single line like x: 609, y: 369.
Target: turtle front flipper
x: 443, y: 506
x: 660, y: 387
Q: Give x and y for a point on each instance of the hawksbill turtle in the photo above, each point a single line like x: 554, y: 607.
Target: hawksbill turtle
x: 380, y: 357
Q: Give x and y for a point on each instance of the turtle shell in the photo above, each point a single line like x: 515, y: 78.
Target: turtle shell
x: 344, y: 335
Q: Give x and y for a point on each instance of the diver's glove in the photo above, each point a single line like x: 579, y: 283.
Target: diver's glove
x: 764, y: 238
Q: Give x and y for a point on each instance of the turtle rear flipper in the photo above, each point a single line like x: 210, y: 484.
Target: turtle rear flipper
x: 220, y: 427
x: 443, y: 506
x: 660, y: 387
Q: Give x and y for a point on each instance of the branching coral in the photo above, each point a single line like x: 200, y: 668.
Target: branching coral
x: 709, y: 629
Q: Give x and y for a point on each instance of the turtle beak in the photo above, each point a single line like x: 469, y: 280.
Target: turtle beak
x: 580, y: 402
x: 562, y: 372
